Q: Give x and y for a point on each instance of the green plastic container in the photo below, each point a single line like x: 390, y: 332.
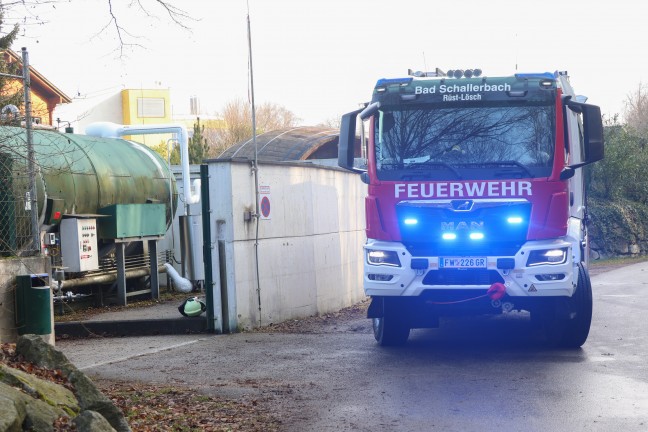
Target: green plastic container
x: 33, y: 304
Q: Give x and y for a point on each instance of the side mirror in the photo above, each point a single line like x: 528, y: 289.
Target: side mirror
x: 593, y: 129
x: 593, y: 124
x: 346, y: 143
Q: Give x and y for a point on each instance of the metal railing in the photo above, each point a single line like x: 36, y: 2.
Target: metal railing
x: 16, y: 225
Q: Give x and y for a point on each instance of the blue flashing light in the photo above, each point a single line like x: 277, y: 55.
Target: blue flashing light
x: 476, y: 236
x: 410, y: 221
x: 449, y: 236
x: 384, y: 82
x: 514, y: 220
x: 543, y: 75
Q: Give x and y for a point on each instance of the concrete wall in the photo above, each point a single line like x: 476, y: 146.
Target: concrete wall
x: 309, y: 249
x: 9, y: 269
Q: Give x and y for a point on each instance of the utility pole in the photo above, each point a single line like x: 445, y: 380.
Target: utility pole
x: 31, y: 170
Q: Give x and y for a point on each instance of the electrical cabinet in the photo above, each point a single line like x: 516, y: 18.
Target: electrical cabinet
x: 79, y: 244
x: 122, y: 221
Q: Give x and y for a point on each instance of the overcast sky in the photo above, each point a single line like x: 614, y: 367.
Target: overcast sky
x: 321, y: 59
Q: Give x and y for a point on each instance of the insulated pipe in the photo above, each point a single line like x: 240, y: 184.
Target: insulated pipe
x: 113, y: 130
x: 183, y: 285
x: 105, y: 278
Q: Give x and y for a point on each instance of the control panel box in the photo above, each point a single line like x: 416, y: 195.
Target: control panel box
x: 79, y: 244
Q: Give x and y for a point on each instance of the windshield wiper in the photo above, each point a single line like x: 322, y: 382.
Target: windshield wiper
x: 508, y: 163
x: 430, y: 164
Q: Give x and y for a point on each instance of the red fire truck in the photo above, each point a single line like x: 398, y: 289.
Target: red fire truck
x: 476, y: 199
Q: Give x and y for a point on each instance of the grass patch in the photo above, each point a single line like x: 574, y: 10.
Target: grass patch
x: 618, y: 261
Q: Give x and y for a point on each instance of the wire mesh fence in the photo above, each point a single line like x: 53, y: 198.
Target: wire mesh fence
x: 16, y: 237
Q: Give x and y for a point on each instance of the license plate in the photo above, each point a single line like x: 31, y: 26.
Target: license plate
x: 462, y: 262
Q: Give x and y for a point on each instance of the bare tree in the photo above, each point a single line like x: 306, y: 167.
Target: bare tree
x: 177, y: 16
x: 237, y: 118
x: 26, y: 13
x: 332, y: 122
x: 636, y: 111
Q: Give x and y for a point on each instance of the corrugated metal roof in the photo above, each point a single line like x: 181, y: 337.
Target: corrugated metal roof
x: 297, y: 143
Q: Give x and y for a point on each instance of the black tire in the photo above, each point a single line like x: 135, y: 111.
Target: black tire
x: 566, y: 321
x: 390, y: 331
x: 577, y: 326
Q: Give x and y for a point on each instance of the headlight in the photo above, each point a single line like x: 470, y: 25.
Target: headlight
x: 547, y: 257
x: 380, y: 257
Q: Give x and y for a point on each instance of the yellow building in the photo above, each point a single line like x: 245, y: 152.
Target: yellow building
x: 146, y: 106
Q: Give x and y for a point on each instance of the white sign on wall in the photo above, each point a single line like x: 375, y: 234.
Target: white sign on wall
x: 265, y: 206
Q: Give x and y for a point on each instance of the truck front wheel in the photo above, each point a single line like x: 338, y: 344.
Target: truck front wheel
x: 566, y: 321
x: 389, y: 332
x: 577, y: 326
x: 391, y: 329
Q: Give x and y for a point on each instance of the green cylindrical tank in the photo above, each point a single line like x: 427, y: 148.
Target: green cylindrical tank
x: 81, y: 174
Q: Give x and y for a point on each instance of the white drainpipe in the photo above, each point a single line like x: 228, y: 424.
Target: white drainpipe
x: 181, y: 284
x: 113, y: 130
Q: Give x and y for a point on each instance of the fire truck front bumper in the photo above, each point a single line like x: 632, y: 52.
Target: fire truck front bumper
x: 538, y: 269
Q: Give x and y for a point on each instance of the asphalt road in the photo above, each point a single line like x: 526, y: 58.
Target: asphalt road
x: 481, y: 374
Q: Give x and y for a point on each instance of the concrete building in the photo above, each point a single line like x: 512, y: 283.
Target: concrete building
x: 302, y: 254
x: 125, y: 106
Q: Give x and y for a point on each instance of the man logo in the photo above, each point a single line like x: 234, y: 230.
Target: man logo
x: 462, y: 225
x: 462, y: 205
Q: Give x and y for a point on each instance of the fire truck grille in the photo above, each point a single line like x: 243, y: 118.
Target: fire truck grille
x: 462, y: 277
x: 485, y: 229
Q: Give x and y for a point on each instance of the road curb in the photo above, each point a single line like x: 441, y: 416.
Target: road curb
x: 148, y: 327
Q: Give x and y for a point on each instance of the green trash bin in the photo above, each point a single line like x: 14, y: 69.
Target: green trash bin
x: 33, y: 304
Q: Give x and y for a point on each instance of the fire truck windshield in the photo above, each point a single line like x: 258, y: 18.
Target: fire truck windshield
x: 489, y: 141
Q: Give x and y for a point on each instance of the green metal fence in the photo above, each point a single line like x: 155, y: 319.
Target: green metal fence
x: 15, y: 214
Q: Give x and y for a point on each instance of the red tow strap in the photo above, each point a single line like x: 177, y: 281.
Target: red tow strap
x: 495, y: 292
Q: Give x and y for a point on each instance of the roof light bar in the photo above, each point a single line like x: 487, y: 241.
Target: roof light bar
x: 419, y: 74
x: 468, y: 73
x: 453, y: 73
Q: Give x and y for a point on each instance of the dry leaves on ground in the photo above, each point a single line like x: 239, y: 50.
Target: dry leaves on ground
x: 152, y: 408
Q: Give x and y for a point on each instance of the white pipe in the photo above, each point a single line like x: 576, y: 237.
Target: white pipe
x: 113, y: 130
x: 181, y: 284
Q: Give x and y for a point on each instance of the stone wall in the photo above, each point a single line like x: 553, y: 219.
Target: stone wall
x: 618, y: 229
x: 31, y: 403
